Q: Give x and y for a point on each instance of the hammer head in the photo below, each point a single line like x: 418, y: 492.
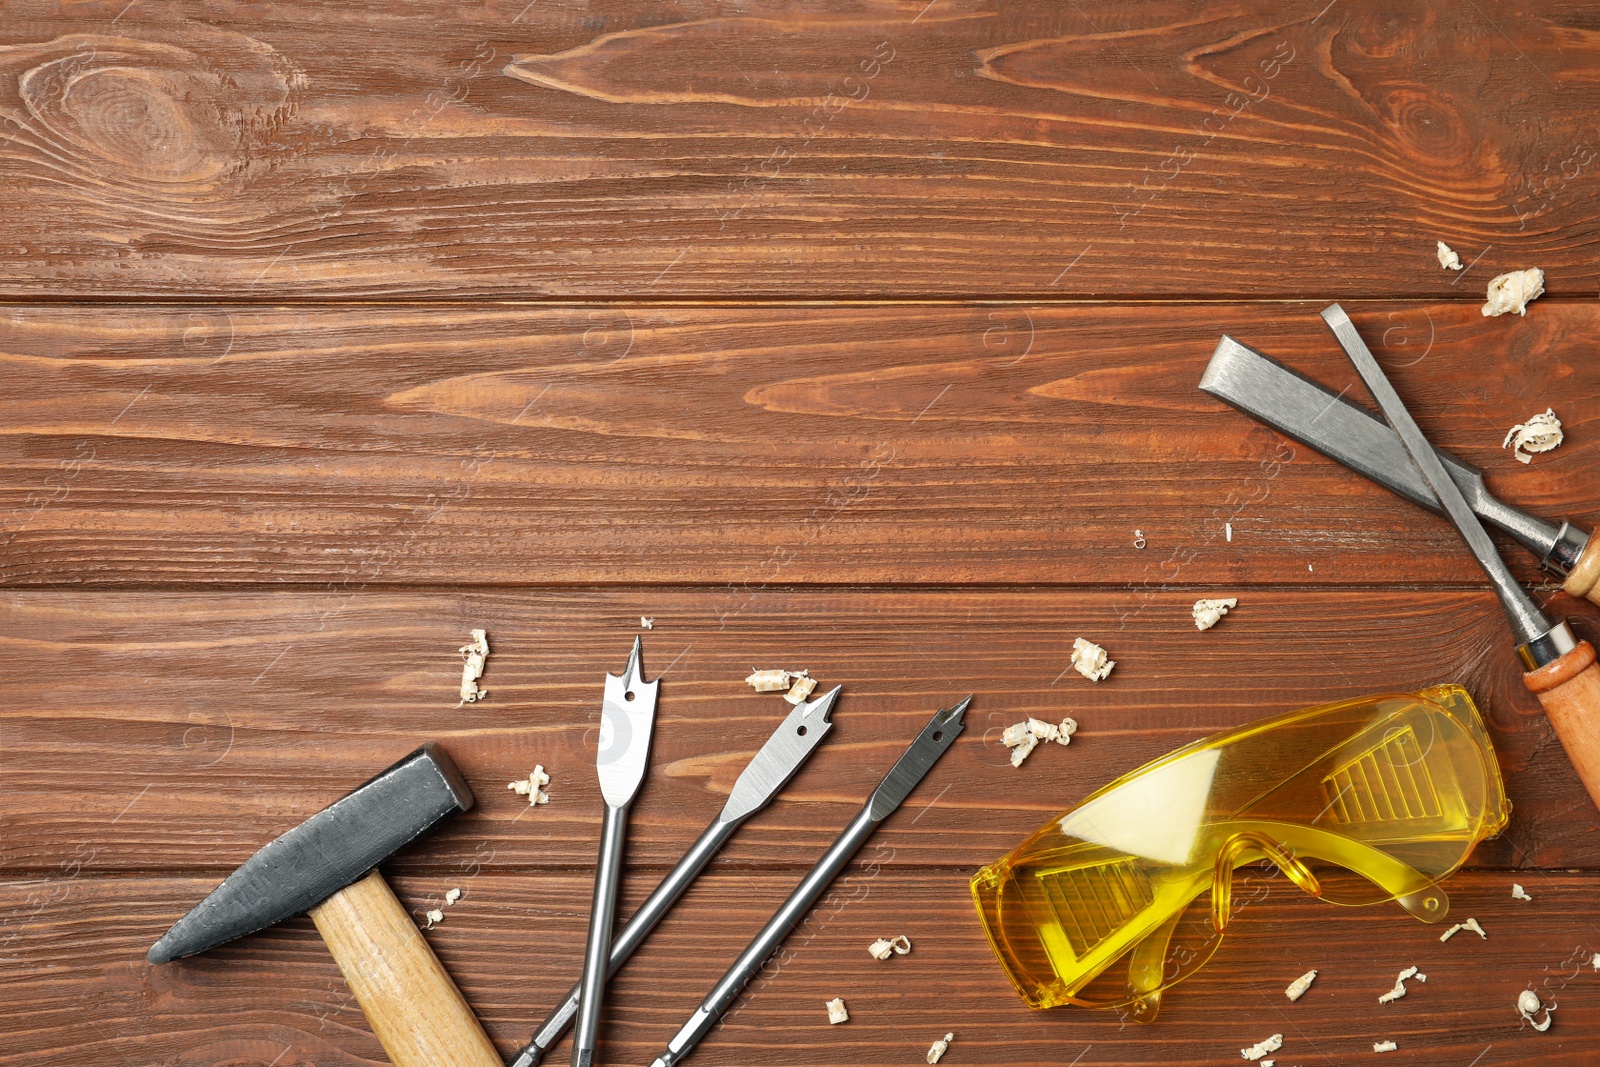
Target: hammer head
x: 327, y: 852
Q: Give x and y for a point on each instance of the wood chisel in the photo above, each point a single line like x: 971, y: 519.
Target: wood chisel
x: 1305, y: 411
x: 911, y: 768
x: 1561, y: 670
x: 627, y: 720
x: 785, y: 752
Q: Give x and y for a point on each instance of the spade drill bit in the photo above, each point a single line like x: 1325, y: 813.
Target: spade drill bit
x: 790, y: 745
x: 627, y: 719
x: 910, y: 769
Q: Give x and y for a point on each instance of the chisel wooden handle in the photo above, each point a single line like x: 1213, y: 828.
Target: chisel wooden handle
x: 1584, y: 578
x: 1569, y: 689
x: 418, y: 1015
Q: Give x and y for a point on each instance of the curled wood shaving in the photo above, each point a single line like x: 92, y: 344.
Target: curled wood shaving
x: 452, y: 896
x: 1023, y: 737
x: 1519, y: 893
x: 1448, y: 258
x: 801, y: 688
x: 1513, y: 291
x: 1207, y: 613
x: 1261, y: 1048
x: 646, y: 622
x: 1529, y: 1006
x: 1399, y: 989
x: 772, y: 681
x: 836, y: 1012
x: 1470, y: 924
x: 1298, y: 987
x: 473, y: 655
x: 435, y: 917
x: 1384, y: 1046
x: 1540, y: 433
x: 1090, y: 660
x: 533, y: 786
x: 885, y: 947
x: 940, y: 1047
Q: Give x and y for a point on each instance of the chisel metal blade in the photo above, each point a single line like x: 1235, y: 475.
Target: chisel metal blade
x: 1342, y: 430
x: 1527, y: 621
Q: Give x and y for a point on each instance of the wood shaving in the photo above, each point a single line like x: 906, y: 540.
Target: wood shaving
x: 533, y: 786
x: 1207, y: 613
x: 1540, y: 433
x: 452, y: 896
x: 1529, y: 1005
x: 1399, y: 989
x: 1519, y: 893
x: 772, y: 681
x: 646, y: 622
x: 1594, y: 961
x: 802, y: 687
x: 1044, y: 731
x: 1090, y: 660
x: 836, y: 1012
x: 1138, y: 539
x: 1298, y: 987
x: 1470, y: 924
x: 939, y: 1047
x: 1023, y: 737
x: 1024, y: 750
x: 473, y: 655
x: 1015, y: 734
x: 435, y: 917
x: 1227, y: 531
x: 1448, y: 258
x: 1261, y: 1048
x: 1384, y: 1046
x: 1514, y: 291
x: 885, y: 947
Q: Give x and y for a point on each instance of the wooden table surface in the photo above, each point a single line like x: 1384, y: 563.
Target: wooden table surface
x: 858, y: 336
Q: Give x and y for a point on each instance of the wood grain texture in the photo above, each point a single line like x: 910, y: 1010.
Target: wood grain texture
x: 866, y: 149
x: 744, y: 446
x: 514, y: 944
x: 208, y: 725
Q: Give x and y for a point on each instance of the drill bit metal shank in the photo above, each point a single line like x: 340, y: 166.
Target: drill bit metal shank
x: 627, y: 720
x: 911, y: 768
x: 785, y: 752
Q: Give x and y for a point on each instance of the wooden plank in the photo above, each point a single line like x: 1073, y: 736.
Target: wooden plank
x: 181, y: 731
x: 78, y: 988
x: 877, y: 150
x: 744, y: 446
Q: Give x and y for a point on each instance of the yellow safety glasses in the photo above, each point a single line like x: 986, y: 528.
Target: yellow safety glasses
x: 1356, y: 802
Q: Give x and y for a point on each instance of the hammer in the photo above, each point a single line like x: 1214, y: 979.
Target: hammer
x: 325, y: 866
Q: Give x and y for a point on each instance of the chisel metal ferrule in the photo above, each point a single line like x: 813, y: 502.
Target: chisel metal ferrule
x: 1547, y: 647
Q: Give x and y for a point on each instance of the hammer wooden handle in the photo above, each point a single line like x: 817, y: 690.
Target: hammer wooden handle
x: 416, y: 1011
x: 1584, y: 578
x: 1569, y: 689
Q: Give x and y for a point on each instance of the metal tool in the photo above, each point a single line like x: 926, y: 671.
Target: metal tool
x: 1561, y: 670
x: 325, y: 866
x: 785, y: 752
x: 627, y: 721
x: 1301, y: 409
x: 911, y: 768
